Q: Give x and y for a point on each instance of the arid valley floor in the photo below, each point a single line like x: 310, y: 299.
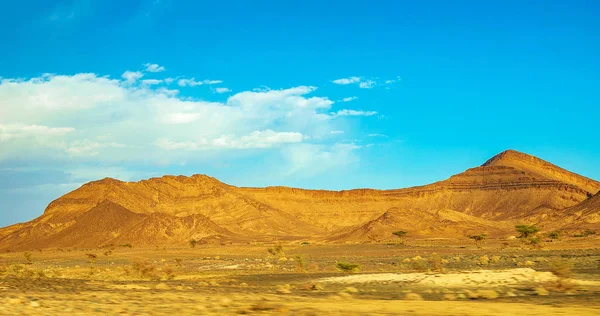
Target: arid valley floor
x: 421, y: 277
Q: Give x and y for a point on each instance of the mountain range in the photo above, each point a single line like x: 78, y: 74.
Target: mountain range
x: 510, y: 188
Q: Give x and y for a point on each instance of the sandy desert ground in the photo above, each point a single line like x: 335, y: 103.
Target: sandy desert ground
x: 420, y: 277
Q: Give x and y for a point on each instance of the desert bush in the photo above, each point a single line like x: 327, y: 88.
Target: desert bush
x: 554, y: 235
x: 27, y: 256
x: 478, y: 239
x: 91, y: 256
x: 193, y: 243
x: 277, y: 251
x: 419, y: 265
x: 585, y: 233
x: 436, y: 263
x: 178, y: 261
x: 400, y: 234
x: 168, y: 272
x: 145, y: 270
x: 126, y: 246
x: 347, y: 267
x: 561, y: 267
x: 304, y: 243
x: 484, y: 260
x: 300, y: 264
x: 526, y: 231
x: 108, y: 253
x: 482, y: 294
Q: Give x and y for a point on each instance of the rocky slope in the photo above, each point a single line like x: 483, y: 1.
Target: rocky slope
x: 510, y: 188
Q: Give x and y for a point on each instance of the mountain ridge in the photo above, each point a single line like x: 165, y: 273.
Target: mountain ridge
x: 511, y: 187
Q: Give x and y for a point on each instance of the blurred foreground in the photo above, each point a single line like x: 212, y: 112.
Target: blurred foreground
x: 422, y: 278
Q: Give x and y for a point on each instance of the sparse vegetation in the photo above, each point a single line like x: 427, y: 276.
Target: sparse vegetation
x: 126, y: 246
x: 478, y: 239
x: 193, y: 243
x: 526, y: 231
x: 145, y: 269
x: 561, y: 267
x: 400, y: 234
x: 347, y: 267
x: 528, y: 235
x: 27, y: 256
x: 277, y: 251
x: 554, y: 235
x: 585, y: 233
x: 300, y: 264
x: 436, y: 263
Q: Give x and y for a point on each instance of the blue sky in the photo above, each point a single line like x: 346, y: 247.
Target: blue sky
x: 314, y: 94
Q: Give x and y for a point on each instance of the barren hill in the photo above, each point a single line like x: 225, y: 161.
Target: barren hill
x: 512, y: 187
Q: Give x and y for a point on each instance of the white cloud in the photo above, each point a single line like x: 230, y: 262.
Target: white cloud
x: 256, y: 139
x: 154, y: 68
x: 169, y: 80
x: 11, y: 132
x: 348, y: 99
x: 336, y: 132
x: 212, y: 81
x: 346, y: 112
x: 306, y: 160
x: 167, y: 92
x: 96, y: 118
x: 390, y: 81
x: 345, y: 81
x: 377, y: 135
x: 150, y: 82
x: 222, y: 90
x: 362, y: 82
x: 181, y: 118
x: 367, y: 84
x: 89, y: 148
x: 192, y: 82
x: 132, y: 76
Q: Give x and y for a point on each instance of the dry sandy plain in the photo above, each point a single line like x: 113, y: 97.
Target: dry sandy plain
x: 420, y: 277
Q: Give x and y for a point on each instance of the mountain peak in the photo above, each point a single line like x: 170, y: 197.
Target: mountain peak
x: 540, y: 168
x: 511, y: 155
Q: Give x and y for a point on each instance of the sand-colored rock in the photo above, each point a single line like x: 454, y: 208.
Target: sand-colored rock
x: 511, y: 188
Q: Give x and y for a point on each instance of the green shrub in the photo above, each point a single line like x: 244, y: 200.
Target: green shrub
x: 526, y: 231
x: 586, y: 233
x: 554, y: 235
x: 478, y: 239
x: 348, y: 267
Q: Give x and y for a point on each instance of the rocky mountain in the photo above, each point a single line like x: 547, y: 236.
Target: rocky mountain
x: 511, y: 187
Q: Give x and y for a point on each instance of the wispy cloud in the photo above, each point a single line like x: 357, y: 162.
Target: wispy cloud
x: 345, y: 81
x: 348, y: 99
x: 336, y: 132
x: 377, y: 135
x: 222, y: 90
x: 150, y: 82
x: 192, y: 82
x: 347, y: 112
x: 132, y: 76
x: 154, y: 67
x: 367, y: 84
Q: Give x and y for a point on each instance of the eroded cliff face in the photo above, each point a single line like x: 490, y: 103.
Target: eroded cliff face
x: 509, y: 188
